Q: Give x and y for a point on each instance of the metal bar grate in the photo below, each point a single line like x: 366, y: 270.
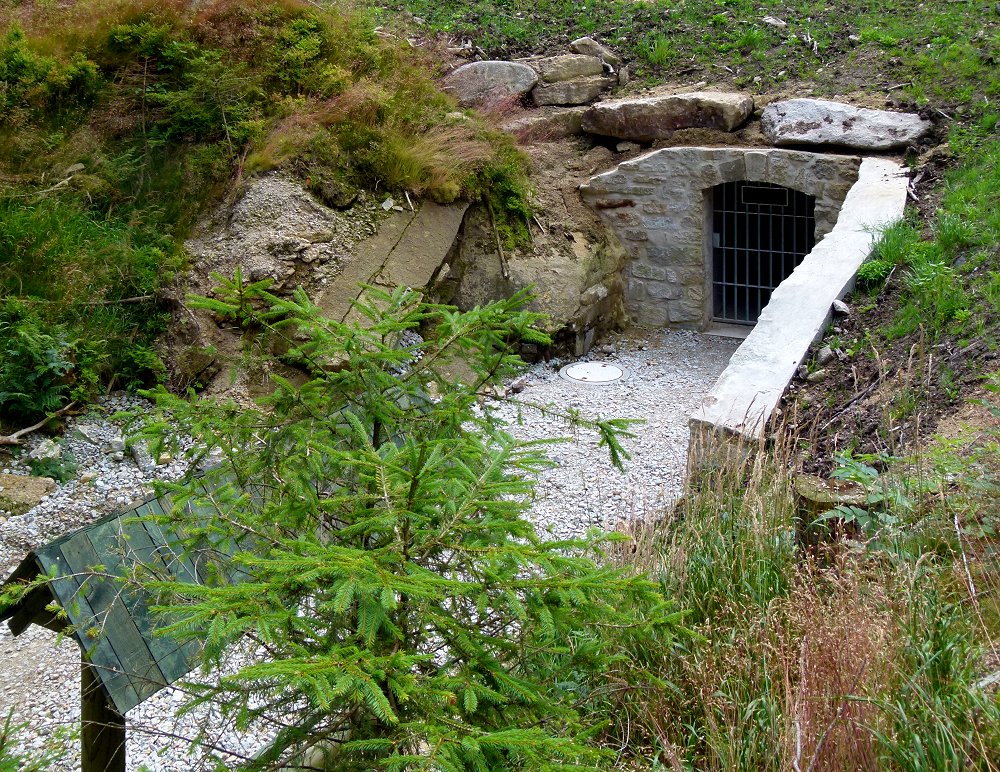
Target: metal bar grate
x: 760, y: 233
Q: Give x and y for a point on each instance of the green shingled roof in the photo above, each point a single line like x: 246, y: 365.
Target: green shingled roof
x: 109, y: 618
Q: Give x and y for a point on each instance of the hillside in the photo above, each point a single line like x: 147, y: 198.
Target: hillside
x: 778, y: 629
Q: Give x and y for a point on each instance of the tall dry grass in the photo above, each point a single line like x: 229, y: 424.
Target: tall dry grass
x: 867, y: 660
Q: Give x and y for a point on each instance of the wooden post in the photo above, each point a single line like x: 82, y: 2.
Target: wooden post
x: 102, y: 734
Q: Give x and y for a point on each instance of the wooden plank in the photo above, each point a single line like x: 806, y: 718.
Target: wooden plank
x: 102, y: 731
x: 32, y: 610
x: 181, y: 567
x: 97, y: 648
x: 178, y: 564
x: 104, y: 595
x: 132, y: 543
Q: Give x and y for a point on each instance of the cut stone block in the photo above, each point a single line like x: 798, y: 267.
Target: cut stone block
x: 578, y: 91
x: 548, y: 123
x: 553, y: 69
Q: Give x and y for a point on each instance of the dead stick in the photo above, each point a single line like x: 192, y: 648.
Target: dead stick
x: 851, y: 403
x: 122, y: 302
x: 15, y: 438
x: 504, y: 269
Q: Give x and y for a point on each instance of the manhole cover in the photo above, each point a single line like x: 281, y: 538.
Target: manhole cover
x: 597, y: 373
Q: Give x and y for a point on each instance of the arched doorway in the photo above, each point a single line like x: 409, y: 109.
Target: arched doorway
x: 760, y: 233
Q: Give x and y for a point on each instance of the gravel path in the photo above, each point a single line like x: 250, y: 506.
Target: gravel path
x: 669, y: 371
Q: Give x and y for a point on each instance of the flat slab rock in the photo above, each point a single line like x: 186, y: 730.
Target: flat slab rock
x: 546, y: 124
x: 822, y: 122
x: 577, y: 91
x: 554, y: 69
x: 656, y: 117
x: 19, y: 493
x: 480, y: 84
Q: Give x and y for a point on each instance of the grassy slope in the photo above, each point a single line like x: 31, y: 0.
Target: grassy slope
x: 864, y: 653
x: 941, y: 52
x: 121, y: 121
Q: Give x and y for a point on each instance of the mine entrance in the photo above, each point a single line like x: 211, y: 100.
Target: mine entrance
x: 760, y: 232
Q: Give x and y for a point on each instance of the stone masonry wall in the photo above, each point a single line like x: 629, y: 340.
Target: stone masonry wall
x: 659, y: 207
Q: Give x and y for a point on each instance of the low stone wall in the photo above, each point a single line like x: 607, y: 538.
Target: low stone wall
x: 659, y: 207
x: 743, y: 399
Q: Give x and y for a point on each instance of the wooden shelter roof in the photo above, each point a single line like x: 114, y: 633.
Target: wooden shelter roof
x: 109, y: 615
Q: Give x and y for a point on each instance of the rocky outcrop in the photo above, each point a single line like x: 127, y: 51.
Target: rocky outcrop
x: 276, y: 230
x: 822, y: 122
x: 19, y: 493
x: 650, y: 118
x: 572, y: 263
x: 481, y: 84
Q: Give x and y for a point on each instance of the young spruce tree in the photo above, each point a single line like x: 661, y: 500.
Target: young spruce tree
x: 403, y: 610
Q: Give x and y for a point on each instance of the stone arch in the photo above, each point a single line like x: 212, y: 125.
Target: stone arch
x: 659, y: 206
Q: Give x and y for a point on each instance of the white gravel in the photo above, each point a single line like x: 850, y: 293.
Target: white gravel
x: 669, y: 372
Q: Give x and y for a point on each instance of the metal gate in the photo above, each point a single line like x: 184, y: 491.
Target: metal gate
x: 760, y: 232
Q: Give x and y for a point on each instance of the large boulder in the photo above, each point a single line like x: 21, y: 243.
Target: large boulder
x: 480, y: 84
x: 822, y: 122
x: 656, y: 117
x: 578, y: 91
x: 19, y: 493
x: 553, y: 69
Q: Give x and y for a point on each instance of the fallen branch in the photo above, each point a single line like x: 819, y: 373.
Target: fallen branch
x: 121, y: 302
x: 853, y: 401
x: 15, y: 438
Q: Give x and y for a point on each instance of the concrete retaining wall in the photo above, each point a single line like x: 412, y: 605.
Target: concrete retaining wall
x: 659, y: 206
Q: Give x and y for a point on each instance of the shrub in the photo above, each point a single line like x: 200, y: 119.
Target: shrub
x: 61, y: 469
x: 170, y: 103
x: 410, y: 614
x: 40, y: 83
x: 873, y: 272
x: 37, y: 364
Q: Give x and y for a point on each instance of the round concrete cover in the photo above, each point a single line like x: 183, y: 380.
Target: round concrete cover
x: 597, y: 373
